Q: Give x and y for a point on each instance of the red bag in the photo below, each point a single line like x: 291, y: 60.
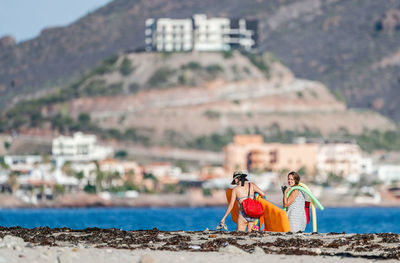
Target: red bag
x: 252, y: 207
x: 307, y: 208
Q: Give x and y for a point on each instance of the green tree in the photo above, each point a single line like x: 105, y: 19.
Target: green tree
x: 90, y: 189
x: 59, y: 189
x: 121, y: 154
x: 13, y: 181
x: 84, y: 118
x: 79, y: 175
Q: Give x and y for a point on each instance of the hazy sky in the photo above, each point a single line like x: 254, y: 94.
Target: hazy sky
x: 24, y: 19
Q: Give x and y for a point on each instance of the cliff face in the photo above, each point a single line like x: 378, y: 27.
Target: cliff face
x: 337, y: 42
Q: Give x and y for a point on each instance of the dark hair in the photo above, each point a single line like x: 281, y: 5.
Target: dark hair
x: 296, y: 177
x: 239, y: 175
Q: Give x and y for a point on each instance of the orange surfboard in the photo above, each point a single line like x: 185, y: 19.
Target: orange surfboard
x: 275, y: 219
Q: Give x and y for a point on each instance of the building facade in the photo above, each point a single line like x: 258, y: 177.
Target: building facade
x: 79, y: 147
x: 249, y: 152
x: 388, y: 173
x: 341, y: 159
x: 200, y: 34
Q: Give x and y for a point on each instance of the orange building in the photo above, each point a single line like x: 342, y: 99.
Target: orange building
x: 249, y: 152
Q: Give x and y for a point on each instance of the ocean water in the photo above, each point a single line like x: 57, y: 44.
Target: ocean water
x: 349, y: 220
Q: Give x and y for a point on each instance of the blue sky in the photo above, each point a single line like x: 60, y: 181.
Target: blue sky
x: 24, y: 19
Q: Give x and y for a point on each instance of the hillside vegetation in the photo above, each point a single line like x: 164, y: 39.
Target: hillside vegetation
x: 197, y: 100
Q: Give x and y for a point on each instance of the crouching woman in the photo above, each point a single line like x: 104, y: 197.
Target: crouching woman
x: 240, y: 192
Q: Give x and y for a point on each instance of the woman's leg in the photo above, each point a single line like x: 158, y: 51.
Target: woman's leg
x: 242, y: 224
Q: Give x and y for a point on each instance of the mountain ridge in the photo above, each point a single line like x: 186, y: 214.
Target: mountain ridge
x: 336, y: 42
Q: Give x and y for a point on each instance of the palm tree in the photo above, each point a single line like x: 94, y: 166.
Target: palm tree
x: 13, y: 181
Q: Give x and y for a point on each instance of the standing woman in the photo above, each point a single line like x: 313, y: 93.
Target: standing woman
x: 295, y: 204
x: 240, y: 192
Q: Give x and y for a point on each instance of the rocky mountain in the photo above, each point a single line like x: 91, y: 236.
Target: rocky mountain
x: 352, y: 46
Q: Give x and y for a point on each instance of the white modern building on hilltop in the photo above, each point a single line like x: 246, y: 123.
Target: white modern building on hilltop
x: 200, y: 34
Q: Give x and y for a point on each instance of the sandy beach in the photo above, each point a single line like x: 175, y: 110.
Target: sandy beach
x: 113, y: 245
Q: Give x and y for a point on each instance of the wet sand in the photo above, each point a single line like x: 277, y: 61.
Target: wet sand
x: 113, y: 245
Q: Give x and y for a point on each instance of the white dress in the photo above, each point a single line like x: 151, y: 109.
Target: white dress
x: 297, y: 214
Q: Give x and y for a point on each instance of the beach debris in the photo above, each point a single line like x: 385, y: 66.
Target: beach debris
x: 216, y: 244
x: 147, y: 259
x: 232, y: 250
x: 389, y: 237
x: 370, y: 246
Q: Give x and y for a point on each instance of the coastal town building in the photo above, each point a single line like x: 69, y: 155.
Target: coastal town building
x: 79, y: 147
x: 341, y: 159
x: 249, y: 152
x: 212, y: 172
x: 388, y: 173
x: 22, y: 163
x: 88, y: 171
x: 125, y: 170
x: 200, y: 33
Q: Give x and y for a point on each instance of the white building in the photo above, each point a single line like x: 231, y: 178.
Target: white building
x: 211, y: 34
x: 22, y: 162
x: 44, y: 174
x: 80, y: 147
x: 341, y: 159
x: 162, y: 169
x: 167, y: 34
x: 388, y: 173
x: 200, y: 34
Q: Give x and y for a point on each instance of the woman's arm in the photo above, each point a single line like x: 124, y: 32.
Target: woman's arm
x: 258, y: 190
x: 287, y: 201
x: 230, y: 206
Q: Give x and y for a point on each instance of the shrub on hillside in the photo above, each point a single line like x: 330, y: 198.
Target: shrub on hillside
x: 126, y: 67
x: 214, y: 69
x: 227, y: 54
x: 259, y: 62
x: 210, y: 114
x: 192, y: 65
x: 160, y: 77
x: 106, y: 67
x: 134, y: 87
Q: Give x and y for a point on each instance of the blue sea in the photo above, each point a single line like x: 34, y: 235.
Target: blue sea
x: 349, y: 220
